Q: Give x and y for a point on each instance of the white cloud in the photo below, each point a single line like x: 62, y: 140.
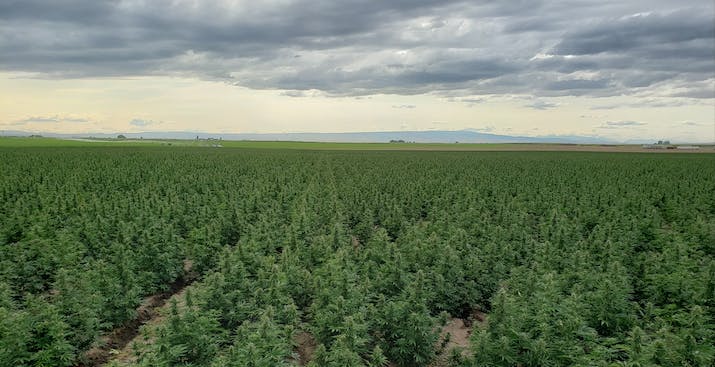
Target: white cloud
x: 142, y: 122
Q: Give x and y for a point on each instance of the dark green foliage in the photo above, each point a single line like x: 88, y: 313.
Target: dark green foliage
x: 261, y: 343
x: 577, y: 259
x: 79, y: 306
x: 407, y: 327
x: 34, y: 336
x: 189, y: 338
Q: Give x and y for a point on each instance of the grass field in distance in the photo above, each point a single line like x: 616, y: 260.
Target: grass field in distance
x: 19, y: 142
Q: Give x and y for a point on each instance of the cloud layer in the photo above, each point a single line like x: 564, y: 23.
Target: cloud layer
x: 653, y: 49
x: 56, y: 119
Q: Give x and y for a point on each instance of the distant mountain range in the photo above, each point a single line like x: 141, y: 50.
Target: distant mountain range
x: 431, y: 136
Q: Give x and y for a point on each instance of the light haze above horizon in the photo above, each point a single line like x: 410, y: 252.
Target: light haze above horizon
x: 611, y: 69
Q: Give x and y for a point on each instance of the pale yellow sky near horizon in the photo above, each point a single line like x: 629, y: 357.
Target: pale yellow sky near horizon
x: 141, y: 104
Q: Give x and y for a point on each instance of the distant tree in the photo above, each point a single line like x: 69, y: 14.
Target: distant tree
x: 120, y: 136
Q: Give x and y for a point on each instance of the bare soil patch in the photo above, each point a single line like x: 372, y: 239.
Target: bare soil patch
x: 305, y: 347
x: 455, y: 335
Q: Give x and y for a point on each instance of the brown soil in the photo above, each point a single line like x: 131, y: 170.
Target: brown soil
x: 459, y: 331
x: 118, y: 341
x: 305, y: 347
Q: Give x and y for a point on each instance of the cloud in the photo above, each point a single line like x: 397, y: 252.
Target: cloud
x: 356, y: 48
x: 142, y: 122
x: 649, y: 103
x: 541, y: 105
x: 648, y: 34
x: 294, y: 93
x: 607, y: 107
x: 485, y: 129
x: 577, y: 84
x: 404, y: 106
x: 625, y: 123
x: 469, y: 101
x: 704, y: 93
x: 56, y: 119
x: 621, y: 124
x: 693, y: 123
x: 302, y: 93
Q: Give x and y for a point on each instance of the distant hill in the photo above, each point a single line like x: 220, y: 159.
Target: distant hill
x: 432, y: 136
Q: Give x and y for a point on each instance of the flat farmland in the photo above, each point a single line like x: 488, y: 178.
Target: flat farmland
x: 19, y: 142
x: 288, y: 254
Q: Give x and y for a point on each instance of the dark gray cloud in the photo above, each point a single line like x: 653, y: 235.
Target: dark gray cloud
x: 647, y: 32
x: 577, y: 84
x: 362, y: 47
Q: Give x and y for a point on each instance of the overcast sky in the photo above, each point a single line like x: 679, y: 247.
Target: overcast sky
x: 618, y: 69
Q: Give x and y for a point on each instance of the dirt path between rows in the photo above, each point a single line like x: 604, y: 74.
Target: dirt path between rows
x: 146, y: 334
x: 305, y: 348
x: 120, y: 339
